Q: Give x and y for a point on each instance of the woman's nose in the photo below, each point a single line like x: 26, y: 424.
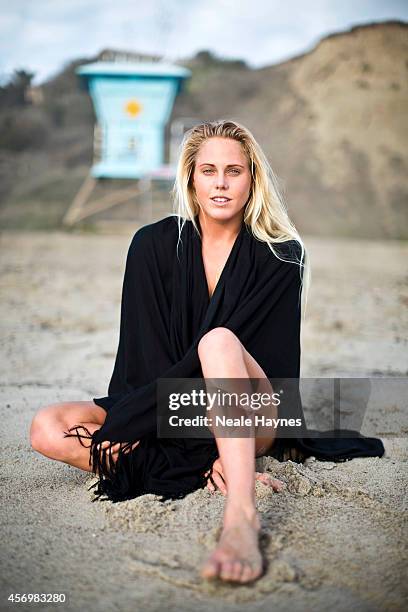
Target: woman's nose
x: 221, y: 181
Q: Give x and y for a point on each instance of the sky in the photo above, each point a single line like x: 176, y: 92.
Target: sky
x: 41, y: 36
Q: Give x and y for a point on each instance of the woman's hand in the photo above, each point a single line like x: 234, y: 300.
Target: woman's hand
x: 219, y: 481
x: 217, y: 477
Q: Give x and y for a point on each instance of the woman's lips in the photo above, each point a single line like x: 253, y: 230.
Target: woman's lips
x: 220, y: 201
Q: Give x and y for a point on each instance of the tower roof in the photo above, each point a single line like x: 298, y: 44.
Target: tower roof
x: 158, y: 69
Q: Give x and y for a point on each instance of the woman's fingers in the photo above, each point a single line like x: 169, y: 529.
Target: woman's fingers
x: 216, y: 481
x: 219, y: 481
x: 215, y: 468
x: 106, y: 444
x: 210, y: 486
x: 115, y: 448
x: 133, y: 446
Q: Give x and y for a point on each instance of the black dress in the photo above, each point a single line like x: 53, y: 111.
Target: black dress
x: 165, y: 311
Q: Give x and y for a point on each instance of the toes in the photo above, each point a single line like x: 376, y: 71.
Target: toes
x: 247, y: 573
x: 227, y: 570
x: 233, y: 571
x: 277, y: 485
x: 237, y: 571
x: 210, y: 569
x: 250, y: 572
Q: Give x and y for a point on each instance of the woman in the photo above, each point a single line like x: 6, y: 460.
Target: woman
x: 212, y: 291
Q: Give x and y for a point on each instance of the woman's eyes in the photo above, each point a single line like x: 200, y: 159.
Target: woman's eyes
x: 233, y: 170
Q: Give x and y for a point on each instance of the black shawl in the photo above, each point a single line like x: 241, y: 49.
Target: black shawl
x: 165, y: 311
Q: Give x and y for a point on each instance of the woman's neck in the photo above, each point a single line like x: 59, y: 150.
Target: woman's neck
x: 215, y: 231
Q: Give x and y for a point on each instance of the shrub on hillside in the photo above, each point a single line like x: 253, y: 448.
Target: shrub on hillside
x: 21, y: 130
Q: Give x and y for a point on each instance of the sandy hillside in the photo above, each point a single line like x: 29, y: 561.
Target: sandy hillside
x: 335, y: 538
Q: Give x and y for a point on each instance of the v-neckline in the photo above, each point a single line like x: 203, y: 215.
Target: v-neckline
x: 220, y: 278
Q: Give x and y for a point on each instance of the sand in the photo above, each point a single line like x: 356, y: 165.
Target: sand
x: 334, y: 538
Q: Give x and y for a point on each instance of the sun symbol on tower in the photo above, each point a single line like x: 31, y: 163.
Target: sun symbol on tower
x: 133, y: 108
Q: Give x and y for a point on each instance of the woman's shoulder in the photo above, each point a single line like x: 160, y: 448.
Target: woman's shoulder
x: 289, y: 250
x: 160, y: 233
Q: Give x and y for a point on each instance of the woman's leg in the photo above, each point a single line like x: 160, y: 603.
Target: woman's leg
x: 237, y: 556
x: 263, y: 439
x: 50, y: 423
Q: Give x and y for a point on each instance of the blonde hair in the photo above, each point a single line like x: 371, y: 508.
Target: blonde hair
x: 265, y: 212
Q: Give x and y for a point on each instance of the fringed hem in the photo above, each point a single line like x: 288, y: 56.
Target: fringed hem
x: 119, y: 480
x: 103, y: 465
x: 285, y: 449
x: 284, y: 452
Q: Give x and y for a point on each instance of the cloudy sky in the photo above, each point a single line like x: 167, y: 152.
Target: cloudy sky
x: 42, y: 35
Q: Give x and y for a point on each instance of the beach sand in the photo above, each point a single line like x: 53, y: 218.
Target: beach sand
x: 335, y: 538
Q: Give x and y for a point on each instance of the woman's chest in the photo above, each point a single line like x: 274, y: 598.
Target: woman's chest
x: 214, y: 260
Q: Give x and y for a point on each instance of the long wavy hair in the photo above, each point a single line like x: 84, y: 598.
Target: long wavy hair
x: 265, y: 212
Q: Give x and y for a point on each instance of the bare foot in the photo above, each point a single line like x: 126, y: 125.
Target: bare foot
x: 266, y: 479
x: 237, y: 557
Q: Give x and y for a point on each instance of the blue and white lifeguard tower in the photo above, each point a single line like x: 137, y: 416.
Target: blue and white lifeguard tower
x: 133, y: 102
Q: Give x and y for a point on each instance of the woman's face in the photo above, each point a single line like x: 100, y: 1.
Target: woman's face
x: 222, y: 171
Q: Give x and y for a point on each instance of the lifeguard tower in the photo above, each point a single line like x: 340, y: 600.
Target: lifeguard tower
x: 133, y: 102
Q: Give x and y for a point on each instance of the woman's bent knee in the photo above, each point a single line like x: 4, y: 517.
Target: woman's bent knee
x: 49, y: 423
x: 218, y: 338
x: 43, y: 430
